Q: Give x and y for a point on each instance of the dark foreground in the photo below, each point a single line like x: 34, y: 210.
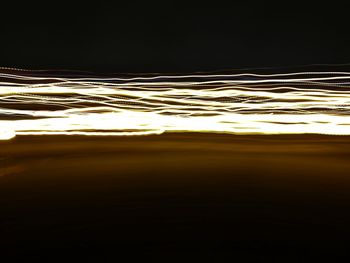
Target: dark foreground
x: 175, y: 197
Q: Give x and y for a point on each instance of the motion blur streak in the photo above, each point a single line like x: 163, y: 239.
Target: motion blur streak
x: 293, y: 103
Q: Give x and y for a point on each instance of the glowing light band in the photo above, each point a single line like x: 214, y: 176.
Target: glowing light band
x: 293, y: 103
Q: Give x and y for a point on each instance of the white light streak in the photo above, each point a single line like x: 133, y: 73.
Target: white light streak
x: 294, y: 103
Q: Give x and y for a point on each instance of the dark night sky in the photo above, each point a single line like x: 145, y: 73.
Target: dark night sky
x: 172, y: 36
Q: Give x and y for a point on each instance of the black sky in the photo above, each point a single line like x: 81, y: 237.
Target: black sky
x: 171, y: 36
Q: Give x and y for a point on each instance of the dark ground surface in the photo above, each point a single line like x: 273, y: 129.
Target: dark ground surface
x: 175, y: 197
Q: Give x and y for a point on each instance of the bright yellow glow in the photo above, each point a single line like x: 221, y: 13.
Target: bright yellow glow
x: 294, y: 103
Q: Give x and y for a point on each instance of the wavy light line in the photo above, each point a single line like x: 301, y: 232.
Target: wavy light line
x: 293, y: 103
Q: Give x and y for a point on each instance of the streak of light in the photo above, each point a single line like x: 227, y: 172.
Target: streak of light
x: 293, y: 103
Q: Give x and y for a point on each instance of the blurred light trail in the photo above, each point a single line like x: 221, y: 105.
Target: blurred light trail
x: 293, y: 103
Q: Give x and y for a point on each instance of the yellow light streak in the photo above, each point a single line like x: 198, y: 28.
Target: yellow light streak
x: 293, y: 103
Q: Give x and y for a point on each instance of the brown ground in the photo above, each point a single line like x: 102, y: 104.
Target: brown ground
x: 207, y: 194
